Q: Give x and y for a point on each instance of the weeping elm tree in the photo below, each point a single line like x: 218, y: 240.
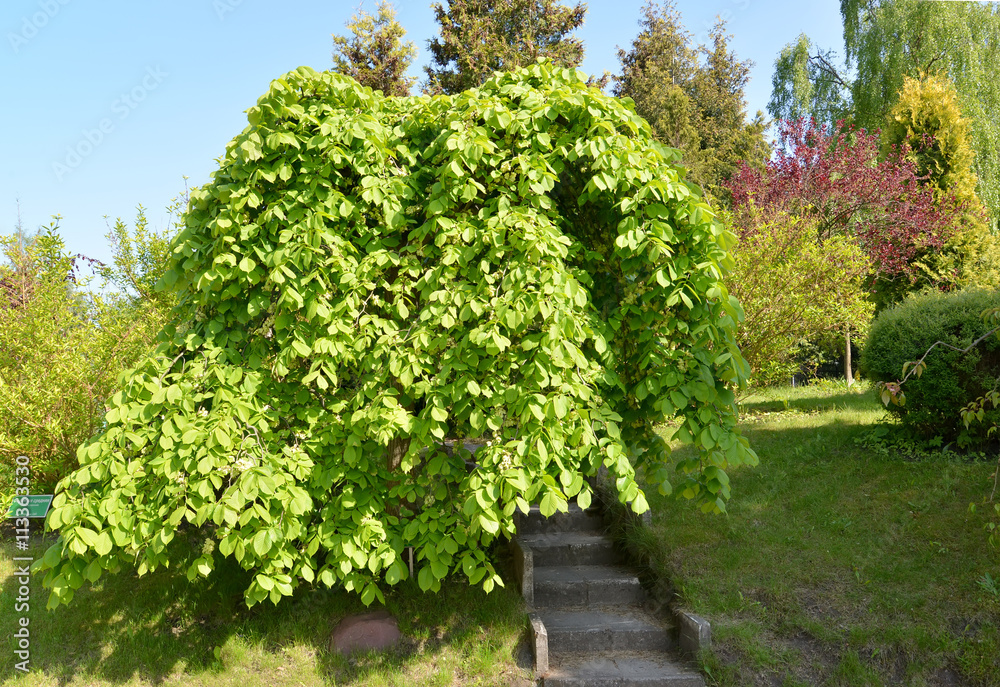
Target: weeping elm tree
x: 365, y: 276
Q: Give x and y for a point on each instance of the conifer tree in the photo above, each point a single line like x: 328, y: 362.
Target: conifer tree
x: 375, y: 55
x: 927, y: 122
x: 479, y: 37
x: 656, y: 73
x: 726, y: 137
x: 694, y: 105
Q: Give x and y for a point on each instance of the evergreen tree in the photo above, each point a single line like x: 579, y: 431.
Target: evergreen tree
x: 727, y: 139
x: 656, y: 74
x: 662, y: 50
x: 691, y: 104
x: 928, y: 123
x: 928, y: 120
x: 375, y: 54
x: 479, y: 37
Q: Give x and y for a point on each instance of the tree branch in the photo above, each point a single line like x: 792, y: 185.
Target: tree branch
x: 821, y: 63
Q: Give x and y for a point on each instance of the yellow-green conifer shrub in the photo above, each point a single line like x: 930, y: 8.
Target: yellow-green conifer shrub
x: 928, y: 120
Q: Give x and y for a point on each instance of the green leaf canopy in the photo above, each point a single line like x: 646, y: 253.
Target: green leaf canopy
x: 519, y: 262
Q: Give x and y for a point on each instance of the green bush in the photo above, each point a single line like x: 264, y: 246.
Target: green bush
x: 63, y: 346
x: 793, y: 288
x: 952, y: 379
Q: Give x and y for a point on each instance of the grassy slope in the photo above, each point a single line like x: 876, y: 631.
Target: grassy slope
x: 837, y: 565
x: 161, y: 630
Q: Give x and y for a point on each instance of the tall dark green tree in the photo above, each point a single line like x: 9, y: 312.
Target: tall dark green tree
x: 375, y: 54
x: 479, y: 37
x: 661, y: 51
x: 727, y: 136
x: 693, y: 97
x: 656, y: 73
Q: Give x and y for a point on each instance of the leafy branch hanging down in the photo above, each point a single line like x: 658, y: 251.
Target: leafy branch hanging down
x: 365, y: 276
x: 891, y: 392
x: 974, y: 411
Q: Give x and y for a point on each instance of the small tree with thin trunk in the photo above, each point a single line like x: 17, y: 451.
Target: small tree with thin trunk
x: 792, y: 288
x: 838, y: 181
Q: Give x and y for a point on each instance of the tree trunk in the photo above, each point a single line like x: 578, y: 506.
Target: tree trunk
x: 397, y: 448
x: 847, y: 358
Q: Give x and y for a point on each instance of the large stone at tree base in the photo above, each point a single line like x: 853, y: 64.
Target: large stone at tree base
x: 377, y: 630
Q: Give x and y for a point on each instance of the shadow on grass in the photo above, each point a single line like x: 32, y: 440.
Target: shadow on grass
x: 807, y: 400
x: 870, y: 552
x: 127, y: 628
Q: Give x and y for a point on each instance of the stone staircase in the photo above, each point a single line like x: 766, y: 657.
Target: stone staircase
x: 592, y: 623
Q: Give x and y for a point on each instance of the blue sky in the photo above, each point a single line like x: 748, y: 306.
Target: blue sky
x: 112, y: 104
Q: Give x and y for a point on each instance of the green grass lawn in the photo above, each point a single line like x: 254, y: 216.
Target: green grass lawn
x: 837, y: 564
x: 162, y: 630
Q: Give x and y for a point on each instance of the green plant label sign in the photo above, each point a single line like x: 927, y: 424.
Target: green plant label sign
x: 38, y: 505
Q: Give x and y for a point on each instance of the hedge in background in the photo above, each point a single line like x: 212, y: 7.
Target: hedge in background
x: 365, y: 276
x: 951, y: 380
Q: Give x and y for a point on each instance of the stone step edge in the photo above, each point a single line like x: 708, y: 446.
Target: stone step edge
x: 585, y: 586
x: 596, y: 571
x: 640, y: 668
x: 572, y: 519
x: 695, y: 632
x: 557, y: 549
x: 538, y: 637
x: 556, y: 539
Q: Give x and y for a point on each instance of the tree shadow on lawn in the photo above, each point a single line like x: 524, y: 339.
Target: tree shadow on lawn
x: 810, y: 400
x: 126, y: 627
x: 876, y: 548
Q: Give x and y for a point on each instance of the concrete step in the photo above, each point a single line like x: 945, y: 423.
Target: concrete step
x: 619, y: 669
x: 570, y: 548
x: 586, y: 585
x: 610, y: 629
x: 574, y: 520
